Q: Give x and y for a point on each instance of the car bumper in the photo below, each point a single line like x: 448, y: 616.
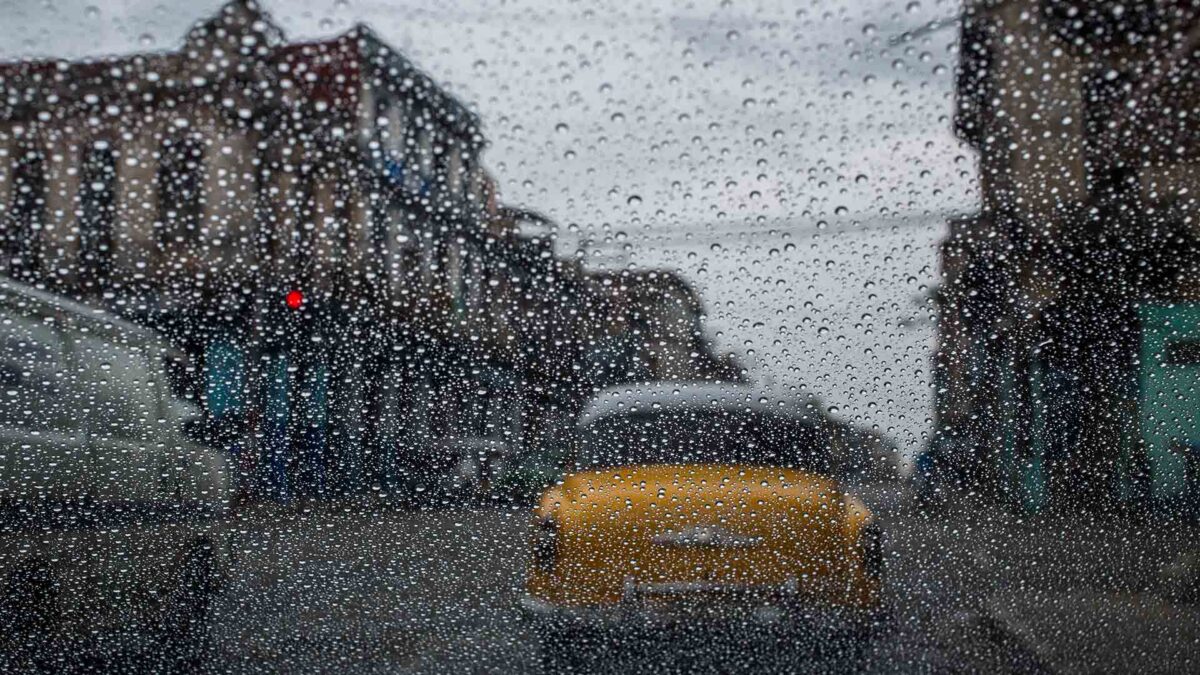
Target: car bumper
x: 687, y: 605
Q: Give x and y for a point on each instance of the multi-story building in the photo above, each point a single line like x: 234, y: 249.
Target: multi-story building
x: 312, y: 222
x: 307, y: 219
x: 647, y: 325
x: 1070, y: 309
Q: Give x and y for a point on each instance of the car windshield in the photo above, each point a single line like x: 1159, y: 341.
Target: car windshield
x: 701, y: 436
x: 369, y: 336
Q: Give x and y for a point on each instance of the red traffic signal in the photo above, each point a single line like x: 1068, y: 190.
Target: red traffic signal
x: 294, y: 299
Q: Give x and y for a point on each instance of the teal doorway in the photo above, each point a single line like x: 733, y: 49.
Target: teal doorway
x: 1169, y: 402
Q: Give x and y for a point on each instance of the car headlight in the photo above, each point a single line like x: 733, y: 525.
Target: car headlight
x: 545, y: 544
x: 871, y: 539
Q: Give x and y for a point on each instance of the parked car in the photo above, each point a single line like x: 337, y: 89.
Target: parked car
x: 694, y: 504
x: 455, y: 469
x: 527, y: 475
x: 112, y: 533
x: 481, y: 464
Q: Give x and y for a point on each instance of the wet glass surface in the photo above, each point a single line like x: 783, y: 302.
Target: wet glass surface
x: 709, y: 336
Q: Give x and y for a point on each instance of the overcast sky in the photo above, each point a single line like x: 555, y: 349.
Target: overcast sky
x: 786, y: 157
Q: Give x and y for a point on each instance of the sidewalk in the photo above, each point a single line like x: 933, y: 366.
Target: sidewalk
x: 1095, y: 597
x: 1064, y: 593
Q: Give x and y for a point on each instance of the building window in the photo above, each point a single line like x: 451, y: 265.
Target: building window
x: 368, y: 113
x: 395, y: 131
x: 180, y: 189
x: 97, y: 197
x: 425, y: 161
x: 454, y: 172
x: 26, y: 214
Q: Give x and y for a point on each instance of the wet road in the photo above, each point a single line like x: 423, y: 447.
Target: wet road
x: 386, y: 590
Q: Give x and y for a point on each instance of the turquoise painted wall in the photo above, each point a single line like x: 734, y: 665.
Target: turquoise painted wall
x: 1169, y: 399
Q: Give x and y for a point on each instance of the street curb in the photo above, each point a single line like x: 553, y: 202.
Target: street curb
x: 1012, y: 638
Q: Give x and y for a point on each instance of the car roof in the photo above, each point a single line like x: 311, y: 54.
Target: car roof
x: 631, y: 398
x: 50, y: 300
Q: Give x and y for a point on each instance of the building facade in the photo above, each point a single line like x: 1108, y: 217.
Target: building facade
x: 313, y: 223
x: 1066, y: 371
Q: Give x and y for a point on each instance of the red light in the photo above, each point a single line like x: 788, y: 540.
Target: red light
x: 294, y: 299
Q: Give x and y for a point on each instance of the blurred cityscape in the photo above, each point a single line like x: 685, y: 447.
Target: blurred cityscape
x: 294, y: 253
x: 313, y: 224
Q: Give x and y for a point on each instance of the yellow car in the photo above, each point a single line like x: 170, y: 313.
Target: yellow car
x: 695, y: 504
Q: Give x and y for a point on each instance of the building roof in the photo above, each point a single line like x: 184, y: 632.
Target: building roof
x: 249, y: 47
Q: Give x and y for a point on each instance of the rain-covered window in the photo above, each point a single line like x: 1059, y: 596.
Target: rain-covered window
x: 679, y: 336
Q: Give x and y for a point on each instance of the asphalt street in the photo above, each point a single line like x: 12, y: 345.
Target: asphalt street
x: 360, y: 589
